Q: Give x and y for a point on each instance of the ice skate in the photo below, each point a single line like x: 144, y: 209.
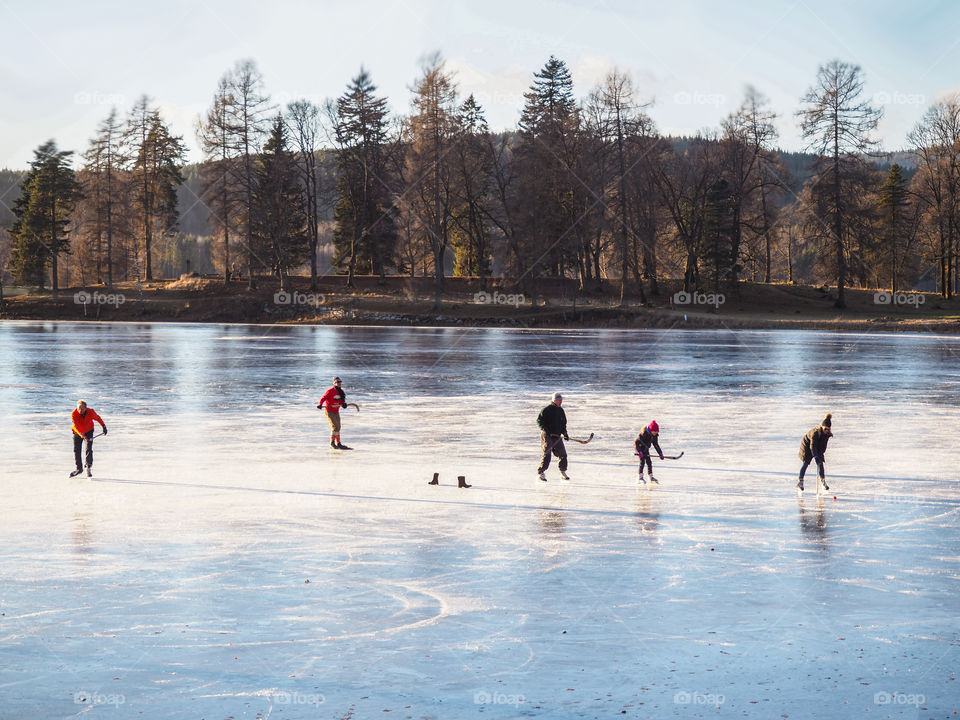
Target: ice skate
x: 800, y: 485
x: 654, y: 480
x: 823, y: 483
x: 76, y: 472
x: 563, y: 475
x: 89, y: 471
x: 542, y: 476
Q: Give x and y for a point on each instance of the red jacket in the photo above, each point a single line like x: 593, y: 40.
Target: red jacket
x: 82, y: 424
x: 334, y: 399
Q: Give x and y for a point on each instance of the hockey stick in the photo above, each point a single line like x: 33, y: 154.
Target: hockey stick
x: 666, y: 457
x: 354, y: 405
x: 583, y: 442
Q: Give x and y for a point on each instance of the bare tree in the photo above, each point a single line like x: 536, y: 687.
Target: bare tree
x: 837, y: 124
x: 247, y: 121
x: 303, y: 121
x: 936, y: 144
x: 218, y: 173
x: 433, y: 129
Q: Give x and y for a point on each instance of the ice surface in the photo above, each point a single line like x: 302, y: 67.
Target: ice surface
x: 175, y: 583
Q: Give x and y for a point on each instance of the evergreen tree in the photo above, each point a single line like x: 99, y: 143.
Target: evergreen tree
x: 472, y: 188
x: 548, y: 153
x: 280, y: 222
x: 894, y: 205
x: 365, y: 231
x: 718, y: 241
x: 48, y: 195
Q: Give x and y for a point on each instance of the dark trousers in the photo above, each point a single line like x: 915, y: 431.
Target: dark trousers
x: 645, y: 460
x: 78, y: 445
x: 552, y: 445
x: 803, y: 468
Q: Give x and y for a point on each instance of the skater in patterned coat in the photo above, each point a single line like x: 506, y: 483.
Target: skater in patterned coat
x: 812, y: 448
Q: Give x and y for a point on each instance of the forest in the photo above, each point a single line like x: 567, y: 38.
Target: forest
x: 586, y: 190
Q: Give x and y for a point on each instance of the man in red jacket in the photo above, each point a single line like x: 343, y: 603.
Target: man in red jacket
x: 331, y: 402
x: 83, y: 419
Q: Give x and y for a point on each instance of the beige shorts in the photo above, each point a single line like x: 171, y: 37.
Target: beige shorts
x: 334, y: 419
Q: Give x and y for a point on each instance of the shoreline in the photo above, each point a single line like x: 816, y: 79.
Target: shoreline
x: 405, y: 302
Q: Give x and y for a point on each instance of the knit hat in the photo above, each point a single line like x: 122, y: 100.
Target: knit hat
x: 653, y: 427
x: 826, y: 421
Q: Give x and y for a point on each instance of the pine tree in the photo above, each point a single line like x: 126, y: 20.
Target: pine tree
x: 365, y: 232
x: 49, y: 192
x: 547, y: 153
x: 472, y: 186
x: 894, y: 205
x: 279, y: 219
x: 717, y: 243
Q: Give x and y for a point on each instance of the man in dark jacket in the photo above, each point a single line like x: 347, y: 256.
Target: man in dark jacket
x: 812, y: 447
x: 647, y: 438
x: 553, y: 431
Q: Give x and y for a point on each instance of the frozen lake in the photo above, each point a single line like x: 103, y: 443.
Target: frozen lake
x: 224, y: 562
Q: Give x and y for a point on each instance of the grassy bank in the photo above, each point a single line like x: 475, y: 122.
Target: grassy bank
x: 551, y: 303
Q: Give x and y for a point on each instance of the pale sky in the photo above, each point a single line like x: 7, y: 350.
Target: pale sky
x: 63, y: 64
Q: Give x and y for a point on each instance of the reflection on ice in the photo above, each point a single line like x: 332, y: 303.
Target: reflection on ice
x: 225, y: 562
